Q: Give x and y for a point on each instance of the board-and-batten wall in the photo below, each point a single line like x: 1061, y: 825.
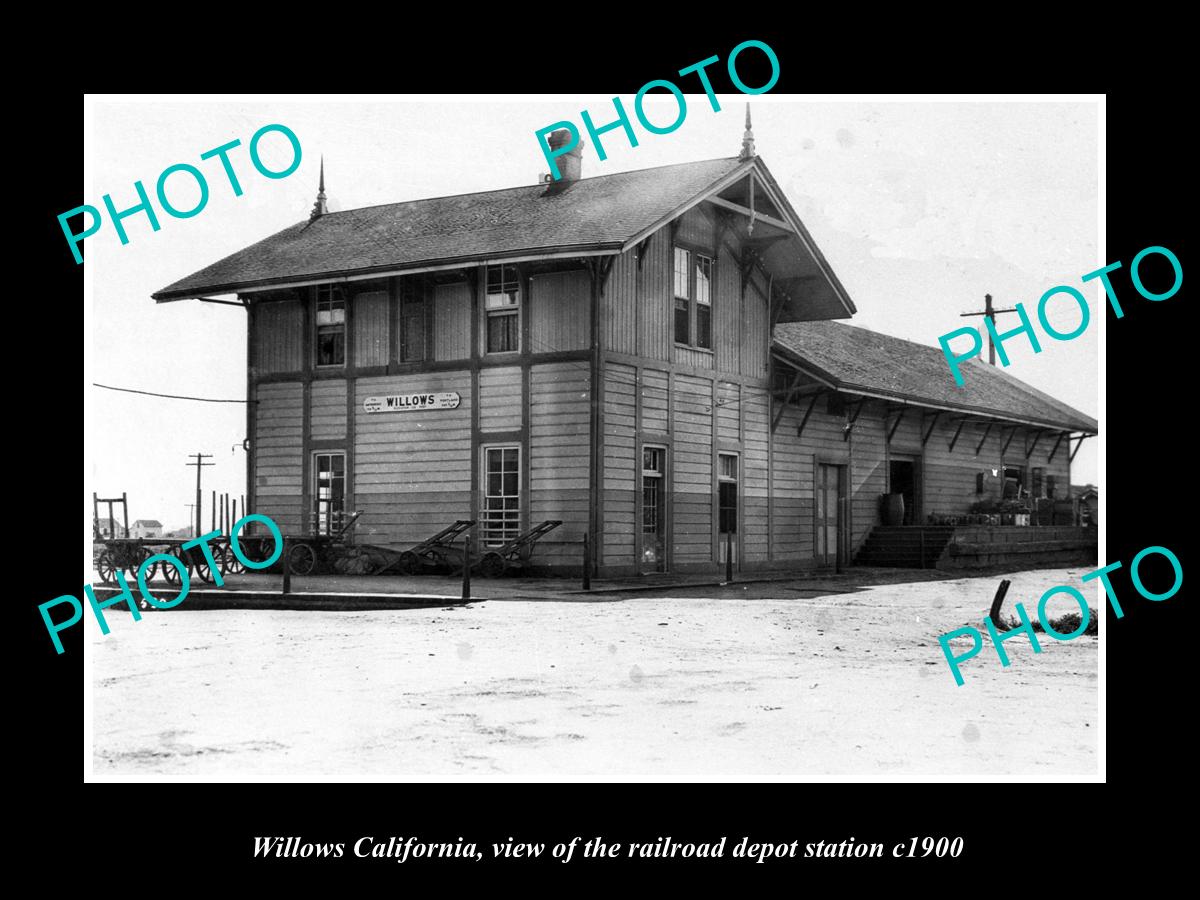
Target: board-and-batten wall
x: 412, y: 473
x: 638, y: 310
x: 676, y: 405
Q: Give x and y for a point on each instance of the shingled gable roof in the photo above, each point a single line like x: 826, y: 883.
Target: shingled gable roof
x: 598, y: 213
x: 856, y: 360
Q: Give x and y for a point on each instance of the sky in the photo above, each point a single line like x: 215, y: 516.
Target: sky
x: 920, y: 207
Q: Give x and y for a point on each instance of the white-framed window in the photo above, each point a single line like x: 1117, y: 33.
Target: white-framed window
x: 654, y: 508
x: 704, y: 273
x: 500, y: 517
x: 727, y: 492
x: 683, y: 296
x: 329, y: 491
x: 331, y: 326
x: 693, y: 276
x: 502, y: 310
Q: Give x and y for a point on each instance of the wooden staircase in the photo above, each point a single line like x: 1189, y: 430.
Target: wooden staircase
x: 904, y: 546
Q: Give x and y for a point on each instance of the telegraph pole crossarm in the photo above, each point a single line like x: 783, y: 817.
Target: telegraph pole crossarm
x: 990, y: 314
x: 199, y: 464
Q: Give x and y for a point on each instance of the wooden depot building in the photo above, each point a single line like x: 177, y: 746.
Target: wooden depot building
x: 648, y: 356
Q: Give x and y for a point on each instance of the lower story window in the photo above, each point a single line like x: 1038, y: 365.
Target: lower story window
x: 501, y: 514
x: 329, y: 492
x: 654, y: 467
x: 727, y: 484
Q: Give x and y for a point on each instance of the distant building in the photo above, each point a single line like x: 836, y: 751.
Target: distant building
x: 146, y: 528
x: 185, y: 532
x: 110, y: 528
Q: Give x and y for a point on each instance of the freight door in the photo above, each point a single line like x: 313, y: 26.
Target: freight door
x: 830, y: 485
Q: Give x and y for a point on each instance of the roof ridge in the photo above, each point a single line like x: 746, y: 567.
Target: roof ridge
x: 994, y: 382
x: 522, y: 187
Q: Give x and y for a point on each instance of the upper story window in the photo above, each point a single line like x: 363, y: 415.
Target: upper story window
x: 331, y: 326
x: 683, y: 297
x: 412, y: 320
x: 503, y: 310
x: 693, y: 298
x: 704, y: 267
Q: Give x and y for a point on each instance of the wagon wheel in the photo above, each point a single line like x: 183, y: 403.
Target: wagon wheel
x: 253, y: 548
x: 230, y: 564
x: 302, y: 559
x: 105, y: 568
x: 136, y: 557
x: 492, y: 565
x: 201, y: 568
x: 410, y: 563
x: 170, y: 573
x: 256, y: 550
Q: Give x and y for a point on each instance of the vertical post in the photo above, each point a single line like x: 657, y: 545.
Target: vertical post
x: 112, y: 523
x: 587, y: 562
x: 729, y: 557
x: 466, y: 586
x: 125, y: 513
x: 95, y: 515
x: 214, y: 511
x: 287, y: 569
x: 991, y: 317
x: 243, y: 506
x: 922, y: 546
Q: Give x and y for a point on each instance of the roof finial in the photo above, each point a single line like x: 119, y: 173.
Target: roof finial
x: 747, y: 139
x: 319, y: 208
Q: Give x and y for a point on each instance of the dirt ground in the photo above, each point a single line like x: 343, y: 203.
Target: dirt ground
x: 780, y: 680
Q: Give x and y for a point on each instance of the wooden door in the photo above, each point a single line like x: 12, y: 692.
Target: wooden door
x: 828, y: 537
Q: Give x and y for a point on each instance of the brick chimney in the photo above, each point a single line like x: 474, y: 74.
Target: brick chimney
x: 570, y: 164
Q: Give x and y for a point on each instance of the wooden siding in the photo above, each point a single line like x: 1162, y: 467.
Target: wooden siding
x: 655, y: 402
x: 755, y: 323
x: 327, y: 417
x: 949, y: 477
x: 637, y: 313
x: 729, y: 329
x: 452, y: 320
x: 868, y: 473
x: 371, y: 328
x: 691, y: 473
x: 500, y: 407
x: 729, y: 412
x: 696, y: 228
x: 279, y: 336
x: 654, y: 299
x: 279, y: 453
x: 755, y: 486
x: 619, y: 311
x: 793, y: 462
x: 622, y: 464
x: 792, y: 490
x: 559, y: 309
x: 412, y: 471
x: 693, y: 356
x: 559, y: 452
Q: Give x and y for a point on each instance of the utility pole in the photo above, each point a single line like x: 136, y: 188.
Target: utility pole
x: 199, y: 464
x: 192, y: 515
x: 990, y: 314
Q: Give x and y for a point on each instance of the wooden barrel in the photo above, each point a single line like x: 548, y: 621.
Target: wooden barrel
x: 893, y: 509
